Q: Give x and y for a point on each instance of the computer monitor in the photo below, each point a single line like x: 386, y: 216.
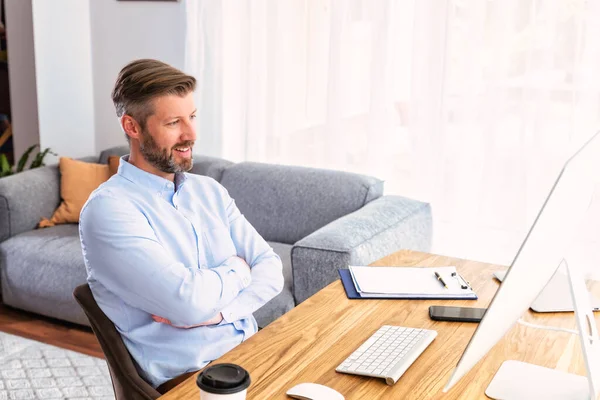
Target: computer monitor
x: 539, y: 256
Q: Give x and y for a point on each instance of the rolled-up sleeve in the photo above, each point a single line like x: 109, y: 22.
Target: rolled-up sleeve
x: 265, y: 264
x: 124, y: 255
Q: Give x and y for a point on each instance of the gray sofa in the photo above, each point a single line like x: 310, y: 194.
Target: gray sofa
x: 316, y: 220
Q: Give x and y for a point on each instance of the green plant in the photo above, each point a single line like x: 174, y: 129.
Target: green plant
x: 38, y: 161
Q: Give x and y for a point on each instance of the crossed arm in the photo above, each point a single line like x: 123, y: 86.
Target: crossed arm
x: 212, y: 321
x: 127, y: 258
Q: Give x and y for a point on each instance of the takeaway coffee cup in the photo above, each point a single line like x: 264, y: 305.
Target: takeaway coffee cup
x: 223, y: 382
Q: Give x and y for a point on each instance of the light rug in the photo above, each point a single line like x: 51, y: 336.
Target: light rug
x: 34, y: 370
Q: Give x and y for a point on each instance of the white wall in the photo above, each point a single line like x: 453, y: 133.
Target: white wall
x: 63, y: 66
x: 123, y: 32
x: 64, y: 58
x: 21, y: 68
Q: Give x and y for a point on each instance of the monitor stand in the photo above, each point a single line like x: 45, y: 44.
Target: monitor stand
x: 556, y: 295
x: 520, y: 380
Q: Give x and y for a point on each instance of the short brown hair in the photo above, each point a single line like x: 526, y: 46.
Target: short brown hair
x: 140, y: 81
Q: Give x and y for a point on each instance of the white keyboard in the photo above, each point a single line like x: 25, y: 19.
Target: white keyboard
x: 388, y: 353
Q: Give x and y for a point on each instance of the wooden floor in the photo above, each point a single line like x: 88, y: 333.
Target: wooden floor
x: 50, y: 331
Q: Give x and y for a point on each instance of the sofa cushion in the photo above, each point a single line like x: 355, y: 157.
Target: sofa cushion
x: 203, y: 165
x: 27, y: 196
x: 78, y: 179
x: 287, y: 203
x: 113, y: 151
x: 284, y: 301
x: 210, y: 166
x: 39, y: 270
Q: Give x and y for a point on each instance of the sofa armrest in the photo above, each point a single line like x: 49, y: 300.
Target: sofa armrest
x: 26, y: 197
x: 382, y: 227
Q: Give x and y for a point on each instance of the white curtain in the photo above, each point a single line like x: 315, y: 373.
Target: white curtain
x: 470, y: 105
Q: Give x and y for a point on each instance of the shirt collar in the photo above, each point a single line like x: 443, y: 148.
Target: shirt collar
x: 148, y: 180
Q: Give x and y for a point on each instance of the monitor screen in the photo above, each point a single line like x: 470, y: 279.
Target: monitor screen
x: 540, y: 254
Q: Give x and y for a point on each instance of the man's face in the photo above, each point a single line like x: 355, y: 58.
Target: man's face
x: 169, y: 135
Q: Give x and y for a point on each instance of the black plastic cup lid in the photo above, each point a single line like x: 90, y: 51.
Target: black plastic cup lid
x: 223, y: 379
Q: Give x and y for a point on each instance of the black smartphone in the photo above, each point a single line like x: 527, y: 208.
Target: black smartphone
x: 460, y: 314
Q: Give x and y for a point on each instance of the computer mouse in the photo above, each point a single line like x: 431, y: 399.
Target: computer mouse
x: 313, y: 391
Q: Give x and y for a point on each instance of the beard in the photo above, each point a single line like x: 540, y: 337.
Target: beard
x: 164, y: 159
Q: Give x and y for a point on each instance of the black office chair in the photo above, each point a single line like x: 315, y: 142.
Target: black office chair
x: 127, y: 383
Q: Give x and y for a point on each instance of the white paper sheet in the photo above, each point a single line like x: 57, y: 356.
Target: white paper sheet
x: 409, y: 282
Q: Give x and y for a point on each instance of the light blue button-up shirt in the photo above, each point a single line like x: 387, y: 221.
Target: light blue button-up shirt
x: 154, y: 247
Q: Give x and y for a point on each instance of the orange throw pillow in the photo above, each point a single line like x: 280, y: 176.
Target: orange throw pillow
x: 78, y: 179
x: 113, y: 164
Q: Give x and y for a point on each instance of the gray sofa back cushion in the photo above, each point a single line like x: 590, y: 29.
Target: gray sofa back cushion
x: 287, y: 203
x: 210, y: 166
x: 26, y: 197
x: 113, y: 151
x: 203, y: 165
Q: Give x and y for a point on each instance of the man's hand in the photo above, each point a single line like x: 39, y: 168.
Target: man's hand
x: 213, y: 321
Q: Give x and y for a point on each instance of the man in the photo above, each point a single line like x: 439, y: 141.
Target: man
x: 169, y: 257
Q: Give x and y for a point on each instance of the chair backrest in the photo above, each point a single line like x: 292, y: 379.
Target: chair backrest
x: 127, y: 383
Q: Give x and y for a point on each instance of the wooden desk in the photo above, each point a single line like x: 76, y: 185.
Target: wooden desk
x: 306, y: 344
